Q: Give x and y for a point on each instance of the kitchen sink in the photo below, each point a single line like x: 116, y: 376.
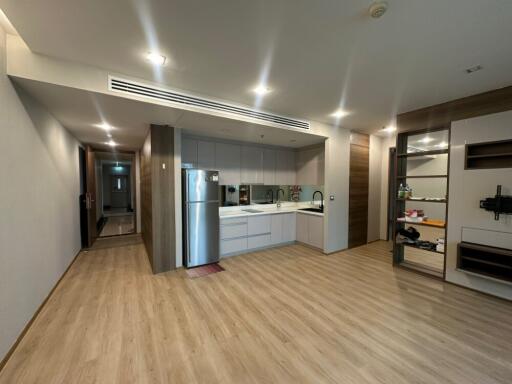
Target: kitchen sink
x: 251, y: 210
x: 317, y: 210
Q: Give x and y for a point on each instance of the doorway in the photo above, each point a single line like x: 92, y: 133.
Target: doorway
x: 84, y: 235
x: 116, y: 194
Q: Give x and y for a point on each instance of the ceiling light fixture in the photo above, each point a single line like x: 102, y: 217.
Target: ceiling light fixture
x: 389, y: 129
x: 109, y: 135
x: 339, y: 113
x: 377, y: 9
x: 473, y: 69
x: 104, y: 126
x: 262, y: 90
x: 156, y: 58
x: 426, y: 140
x: 112, y: 143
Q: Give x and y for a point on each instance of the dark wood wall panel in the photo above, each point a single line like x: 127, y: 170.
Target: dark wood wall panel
x: 358, y: 189
x: 495, y: 101
x: 145, y: 198
x: 157, y: 198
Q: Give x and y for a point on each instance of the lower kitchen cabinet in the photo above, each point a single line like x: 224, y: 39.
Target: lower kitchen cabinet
x: 239, y: 235
x: 310, y: 230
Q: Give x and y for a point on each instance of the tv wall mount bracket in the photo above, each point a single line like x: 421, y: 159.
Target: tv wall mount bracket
x: 498, y: 204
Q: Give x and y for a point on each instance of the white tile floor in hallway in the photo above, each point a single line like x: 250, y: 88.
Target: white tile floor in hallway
x: 118, y: 225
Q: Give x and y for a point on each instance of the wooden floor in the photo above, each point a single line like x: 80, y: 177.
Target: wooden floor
x: 287, y: 315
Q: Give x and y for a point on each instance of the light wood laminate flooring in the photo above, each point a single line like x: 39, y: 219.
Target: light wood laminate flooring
x: 283, y: 315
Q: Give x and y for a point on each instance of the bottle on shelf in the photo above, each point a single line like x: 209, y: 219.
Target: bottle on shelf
x: 401, y: 191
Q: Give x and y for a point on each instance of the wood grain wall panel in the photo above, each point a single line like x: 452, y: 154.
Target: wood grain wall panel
x: 358, y: 191
x: 162, y: 185
x: 157, y: 198
x: 146, y: 197
x: 495, y: 101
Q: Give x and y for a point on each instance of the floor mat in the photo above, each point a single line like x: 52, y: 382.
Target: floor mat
x: 205, y: 270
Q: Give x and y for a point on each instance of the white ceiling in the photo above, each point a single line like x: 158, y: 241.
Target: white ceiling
x: 314, y: 54
x: 80, y: 110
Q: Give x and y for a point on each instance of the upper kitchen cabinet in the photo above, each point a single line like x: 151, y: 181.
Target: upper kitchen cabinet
x: 285, y: 167
x: 252, y: 165
x: 269, y: 167
x: 227, y: 162
x: 188, y: 153
x: 310, y: 166
x: 205, y: 155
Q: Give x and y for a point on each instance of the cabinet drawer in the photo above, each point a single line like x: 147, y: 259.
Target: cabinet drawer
x: 258, y: 225
x: 232, y: 231
x: 259, y: 241
x: 233, y: 245
x: 233, y: 221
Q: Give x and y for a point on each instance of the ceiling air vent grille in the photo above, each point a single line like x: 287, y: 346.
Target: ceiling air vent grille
x: 127, y: 86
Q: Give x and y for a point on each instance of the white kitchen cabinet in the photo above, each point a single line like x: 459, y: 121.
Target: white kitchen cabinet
x: 188, y: 153
x: 227, y: 162
x: 310, y: 230
x: 302, y: 228
x: 252, y: 165
x: 310, y: 166
x: 259, y: 241
x: 283, y: 228
x: 289, y: 224
x: 316, y: 231
x: 276, y: 230
x: 269, y: 167
x: 285, y: 167
x: 205, y: 154
x: 258, y: 225
x: 233, y: 245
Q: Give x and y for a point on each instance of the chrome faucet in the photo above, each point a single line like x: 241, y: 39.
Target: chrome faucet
x: 321, y: 197
x: 278, y: 199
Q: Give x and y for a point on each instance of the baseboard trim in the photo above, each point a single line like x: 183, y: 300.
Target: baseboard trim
x: 9, y: 353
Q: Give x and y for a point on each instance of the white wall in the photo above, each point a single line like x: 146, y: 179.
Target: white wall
x: 468, y: 187
x: 39, y: 220
x: 337, y: 168
x: 374, y: 188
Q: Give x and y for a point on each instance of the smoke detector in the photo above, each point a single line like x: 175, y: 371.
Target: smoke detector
x: 378, y: 8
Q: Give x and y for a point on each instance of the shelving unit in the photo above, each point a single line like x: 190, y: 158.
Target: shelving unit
x: 402, y: 175
x: 496, y: 154
x: 484, y: 260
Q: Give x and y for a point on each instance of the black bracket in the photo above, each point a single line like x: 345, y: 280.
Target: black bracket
x: 498, y: 204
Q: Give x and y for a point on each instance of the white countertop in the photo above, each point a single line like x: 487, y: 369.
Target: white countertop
x: 270, y: 209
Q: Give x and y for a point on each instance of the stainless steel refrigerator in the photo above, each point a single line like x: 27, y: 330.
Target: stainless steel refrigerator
x: 200, y: 216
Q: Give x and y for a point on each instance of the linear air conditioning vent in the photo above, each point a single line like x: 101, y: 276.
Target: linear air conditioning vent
x: 139, y: 89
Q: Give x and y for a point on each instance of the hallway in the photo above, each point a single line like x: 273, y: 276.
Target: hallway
x: 118, y: 225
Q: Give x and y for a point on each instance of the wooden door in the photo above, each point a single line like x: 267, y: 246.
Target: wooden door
x: 90, y: 195
x: 358, y: 194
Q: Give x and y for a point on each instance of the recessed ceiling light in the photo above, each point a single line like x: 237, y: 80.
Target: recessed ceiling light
x: 377, y: 9
x: 156, y: 58
x: 262, y: 90
x: 112, y: 143
x: 389, y: 128
x: 109, y: 135
x: 104, y: 126
x: 474, y: 69
x: 339, y: 113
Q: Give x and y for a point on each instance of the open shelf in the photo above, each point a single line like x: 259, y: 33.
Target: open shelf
x: 423, y: 177
x: 484, y: 260
x: 428, y: 223
x: 424, y: 153
x: 422, y: 249
x: 444, y: 201
x: 489, y: 155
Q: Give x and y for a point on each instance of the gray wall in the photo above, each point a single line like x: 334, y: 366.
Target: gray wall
x: 39, y: 220
x: 374, y: 188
